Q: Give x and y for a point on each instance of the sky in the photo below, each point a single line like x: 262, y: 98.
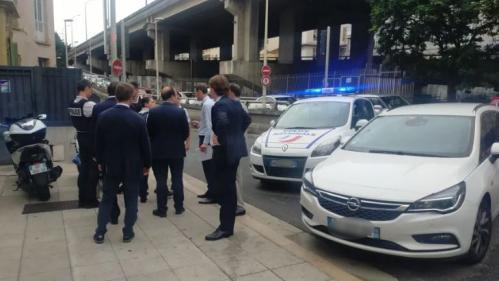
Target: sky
x: 66, y: 9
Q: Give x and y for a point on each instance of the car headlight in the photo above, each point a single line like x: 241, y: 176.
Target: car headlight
x: 257, y: 148
x: 308, y: 184
x: 443, y: 202
x: 326, y: 148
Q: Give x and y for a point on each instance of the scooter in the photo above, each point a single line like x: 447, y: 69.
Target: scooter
x: 31, y: 155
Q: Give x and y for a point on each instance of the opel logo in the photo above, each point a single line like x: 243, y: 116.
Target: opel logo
x: 353, y: 204
x: 284, y: 147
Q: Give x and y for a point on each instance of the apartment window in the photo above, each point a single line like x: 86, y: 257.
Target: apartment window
x: 345, y: 41
x: 40, y: 21
x: 43, y: 62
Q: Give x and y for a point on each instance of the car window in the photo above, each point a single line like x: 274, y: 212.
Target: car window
x: 362, y: 109
x: 488, y: 133
x: 315, y: 115
x: 394, y: 101
x: 416, y: 135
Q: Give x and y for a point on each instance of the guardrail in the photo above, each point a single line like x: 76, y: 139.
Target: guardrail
x: 254, y: 106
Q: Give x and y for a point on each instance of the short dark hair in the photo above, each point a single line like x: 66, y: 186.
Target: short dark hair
x: 202, y: 87
x: 167, y: 92
x: 236, y: 89
x: 111, y: 88
x: 124, y: 91
x: 220, y: 84
x: 82, y: 84
x: 135, y: 84
x: 145, y: 100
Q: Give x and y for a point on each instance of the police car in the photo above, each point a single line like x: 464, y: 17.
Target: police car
x: 306, y: 134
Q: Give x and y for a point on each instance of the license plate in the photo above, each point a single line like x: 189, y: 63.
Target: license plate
x: 353, y: 228
x: 38, y: 168
x: 283, y: 163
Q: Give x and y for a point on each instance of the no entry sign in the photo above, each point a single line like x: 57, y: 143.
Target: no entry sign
x: 117, y: 67
x: 266, y: 70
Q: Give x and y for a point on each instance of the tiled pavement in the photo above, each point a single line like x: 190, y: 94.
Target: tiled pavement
x: 58, y: 246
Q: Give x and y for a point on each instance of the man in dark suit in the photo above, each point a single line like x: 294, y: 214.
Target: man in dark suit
x: 99, y: 108
x: 124, y: 156
x: 229, y: 122
x: 168, y: 130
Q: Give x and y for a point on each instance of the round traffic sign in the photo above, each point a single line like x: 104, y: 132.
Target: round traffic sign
x: 266, y: 81
x: 266, y: 70
x: 117, y: 67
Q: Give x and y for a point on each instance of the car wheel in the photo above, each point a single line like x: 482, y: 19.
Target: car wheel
x: 481, y: 235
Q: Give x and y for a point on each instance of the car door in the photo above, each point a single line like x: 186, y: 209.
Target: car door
x: 489, y: 134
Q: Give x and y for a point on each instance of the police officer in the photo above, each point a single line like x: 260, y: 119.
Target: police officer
x: 80, y: 111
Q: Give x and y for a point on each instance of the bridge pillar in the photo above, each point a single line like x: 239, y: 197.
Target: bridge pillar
x: 359, y: 50
x: 226, y: 51
x: 246, y: 15
x: 164, y: 52
x: 289, y: 38
x: 195, y: 50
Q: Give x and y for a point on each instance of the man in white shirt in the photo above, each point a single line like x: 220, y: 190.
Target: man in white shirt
x: 204, y: 132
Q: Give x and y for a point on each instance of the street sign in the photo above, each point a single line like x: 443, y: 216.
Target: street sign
x: 266, y: 81
x: 266, y: 70
x: 117, y: 67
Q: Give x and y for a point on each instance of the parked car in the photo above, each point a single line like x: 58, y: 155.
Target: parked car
x: 394, y: 101
x: 305, y: 135
x: 378, y: 103
x: 277, y: 98
x: 419, y: 181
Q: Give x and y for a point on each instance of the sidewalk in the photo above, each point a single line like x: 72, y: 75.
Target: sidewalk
x: 58, y: 245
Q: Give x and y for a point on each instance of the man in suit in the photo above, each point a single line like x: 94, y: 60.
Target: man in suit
x: 124, y: 156
x: 110, y: 102
x: 168, y: 130
x: 229, y: 122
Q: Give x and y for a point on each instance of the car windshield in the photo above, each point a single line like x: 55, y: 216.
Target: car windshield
x: 315, y: 115
x: 418, y: 135
x: 394, y: 101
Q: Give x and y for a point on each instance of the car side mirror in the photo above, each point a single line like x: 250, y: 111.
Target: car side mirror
x: 361, y: 123
x: 494, y: 152
x: 272, y: 123
x: 42, y: 117
x: 378, y: 109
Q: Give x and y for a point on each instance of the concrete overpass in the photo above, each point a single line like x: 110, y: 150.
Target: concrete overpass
x: 236, y: 27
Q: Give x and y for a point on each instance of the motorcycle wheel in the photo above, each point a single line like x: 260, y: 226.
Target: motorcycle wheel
x: 43, y: 193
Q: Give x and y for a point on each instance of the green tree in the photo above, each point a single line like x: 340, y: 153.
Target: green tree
x: 441, y: 40
x: 60, y: 51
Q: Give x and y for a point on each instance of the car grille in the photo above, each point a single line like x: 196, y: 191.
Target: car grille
x: 295, y: 172
x: 368, y: 210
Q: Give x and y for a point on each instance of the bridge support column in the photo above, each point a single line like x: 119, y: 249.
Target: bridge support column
x: 195, y: 50
x: 246, y: 15
x: 164, y: 52
x: 360, y: 44
x: 226, y: 51
x: 289, y: 38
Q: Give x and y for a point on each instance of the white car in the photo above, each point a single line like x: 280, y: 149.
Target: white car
x: 419, y: 181
x: 305, y: 135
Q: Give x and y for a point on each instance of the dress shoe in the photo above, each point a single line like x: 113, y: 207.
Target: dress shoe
x: 179, y: 211
x: 208, y: 201
x: 169, y: 193
x: 217, y: 235
x: 98, y: 238
x: 240, y: 211
x: 127, y: 238
x: 159, y: 214
x: 143, y: 199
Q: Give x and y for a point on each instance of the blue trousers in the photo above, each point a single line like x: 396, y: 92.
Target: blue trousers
x: 109, y: 192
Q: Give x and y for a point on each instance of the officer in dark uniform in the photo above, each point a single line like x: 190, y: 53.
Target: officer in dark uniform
x: 80, y: 111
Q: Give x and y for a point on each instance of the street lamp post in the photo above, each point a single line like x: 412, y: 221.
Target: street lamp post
x: 66, y: 40
x: 156, y: 53
x: 86, y: 38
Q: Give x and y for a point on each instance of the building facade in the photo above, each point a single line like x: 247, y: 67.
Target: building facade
x: 27, y: 33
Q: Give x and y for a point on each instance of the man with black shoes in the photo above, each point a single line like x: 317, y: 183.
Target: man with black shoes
x: 229, y: 121
x: 81, y: 111
x: 204, y: 132
x: 168, y: 130
x: 123, y: 154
